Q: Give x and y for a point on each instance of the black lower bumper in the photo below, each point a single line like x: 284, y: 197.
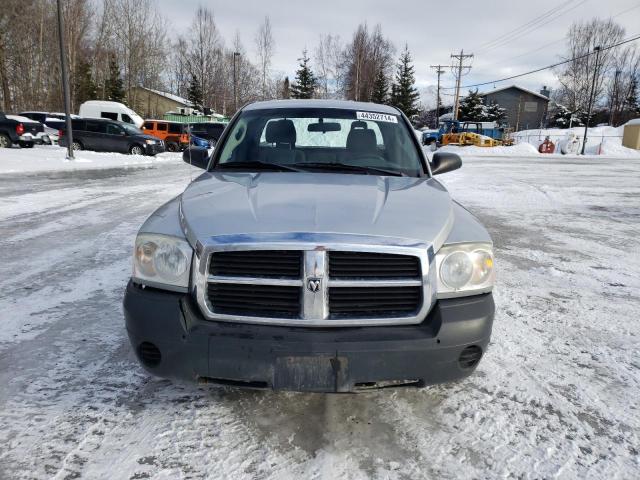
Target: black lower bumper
x: 154, y: 149
x: 172, y: 339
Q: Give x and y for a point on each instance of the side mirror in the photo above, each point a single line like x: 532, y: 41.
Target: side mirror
x: 196, y: 156
x: 444, y: 162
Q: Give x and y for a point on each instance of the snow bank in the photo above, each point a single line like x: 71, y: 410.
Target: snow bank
x: 47, y: 158
x: 519, y: 150
x: 603, y: 140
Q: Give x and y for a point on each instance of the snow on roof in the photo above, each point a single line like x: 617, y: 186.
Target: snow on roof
x: 170, y: 96
x: 635, y: 121
x: 514, y: 86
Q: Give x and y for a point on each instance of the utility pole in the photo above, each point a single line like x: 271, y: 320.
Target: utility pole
x: 461, y: 57
x: 614, y: 97
x: 235, y: 82
x: 65, y: 84
x: 439, y: 71
x: 591, y: 98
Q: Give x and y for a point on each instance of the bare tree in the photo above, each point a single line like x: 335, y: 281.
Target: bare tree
x: 624, y: 72
x: 265, y: 46
x: 576, y: 76
x: 179, y: 71
x: 368, y: 54
x: 205, y: 54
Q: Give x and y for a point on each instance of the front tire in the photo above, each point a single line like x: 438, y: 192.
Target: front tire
x: 76, y: 146
x: 172, y: 146
x: 136, y: 150
x: 5, y: 141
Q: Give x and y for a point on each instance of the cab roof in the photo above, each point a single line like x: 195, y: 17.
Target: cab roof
x: 317, y: 103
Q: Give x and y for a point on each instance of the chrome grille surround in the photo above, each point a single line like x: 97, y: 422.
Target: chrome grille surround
x: 315, y: 305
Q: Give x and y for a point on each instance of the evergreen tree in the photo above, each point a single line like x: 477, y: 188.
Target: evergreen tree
x: 194, y: 93
x: 561, y: 117
x: 495, y: 113
x: 404, y: 94
x: 114, y: 86
x: 472, y: 108
x: 83, y: 85
x: 286, y: 89
x: 380, y: 92
x: 632, y: 102
x: 306, y: 83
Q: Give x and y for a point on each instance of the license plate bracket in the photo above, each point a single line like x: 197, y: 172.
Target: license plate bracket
x: 319, y: 373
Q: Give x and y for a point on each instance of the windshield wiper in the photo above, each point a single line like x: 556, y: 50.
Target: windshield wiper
x: 256, y: 164
x: 353, y: 168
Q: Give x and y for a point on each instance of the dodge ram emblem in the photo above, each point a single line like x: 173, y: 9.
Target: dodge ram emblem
x: 313, y: 284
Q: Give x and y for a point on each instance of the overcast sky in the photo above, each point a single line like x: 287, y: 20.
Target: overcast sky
x: 432, y: 30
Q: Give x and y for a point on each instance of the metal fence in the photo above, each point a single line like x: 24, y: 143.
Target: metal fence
x: 555, y: 138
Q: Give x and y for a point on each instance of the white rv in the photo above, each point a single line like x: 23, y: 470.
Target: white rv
x: 111, y: 110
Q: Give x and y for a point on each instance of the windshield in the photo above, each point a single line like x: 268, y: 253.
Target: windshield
x: 322, y: 139
x: 131, y: 129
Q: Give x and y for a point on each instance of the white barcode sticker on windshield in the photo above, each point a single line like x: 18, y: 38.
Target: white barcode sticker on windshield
x: 377, y: 117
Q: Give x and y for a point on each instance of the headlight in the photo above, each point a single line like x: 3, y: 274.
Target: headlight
x: 150, y: 142
x: 465, y: 269
x: 162, y: 261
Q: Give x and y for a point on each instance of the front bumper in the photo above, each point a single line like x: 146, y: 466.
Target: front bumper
x: 154, y: 149
x: 172, y: 339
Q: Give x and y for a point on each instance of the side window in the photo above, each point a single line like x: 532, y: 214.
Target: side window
x: 114, y: 129
x: 175, y: 128
x: 216, y: 131
x: 96, y: 127
x: 162, y: 127
x: 109, y: 115
x: 149, y: 126
x: 126, y: 118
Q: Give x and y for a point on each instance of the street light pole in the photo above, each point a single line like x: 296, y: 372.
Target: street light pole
x: 591, y: 95
x: 65, y: 84
x: 235, y: 82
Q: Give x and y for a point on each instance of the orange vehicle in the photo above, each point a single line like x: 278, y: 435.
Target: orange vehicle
x: 174, y: 134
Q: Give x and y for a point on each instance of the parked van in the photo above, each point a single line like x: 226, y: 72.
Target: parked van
x: 110, y: 110
x: 109, y: 136
x: 174, y: 134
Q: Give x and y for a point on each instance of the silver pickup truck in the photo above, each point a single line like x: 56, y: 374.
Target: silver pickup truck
x: 317, y: 252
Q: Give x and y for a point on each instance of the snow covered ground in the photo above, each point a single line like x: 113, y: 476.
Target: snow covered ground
x: 557, y: 394
x: 52, y: 157
x: 606, y: 141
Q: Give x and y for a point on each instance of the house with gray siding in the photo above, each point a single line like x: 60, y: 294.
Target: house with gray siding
x: 525, y: 108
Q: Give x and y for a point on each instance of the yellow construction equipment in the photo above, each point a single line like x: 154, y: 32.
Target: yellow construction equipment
x: 469, y: 138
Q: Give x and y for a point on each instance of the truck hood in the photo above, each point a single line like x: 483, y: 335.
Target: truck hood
x: 282, y: 202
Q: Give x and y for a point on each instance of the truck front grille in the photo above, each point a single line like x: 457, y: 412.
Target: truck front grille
x: 373, y: 301
x: 255, y: 300
x: 257, y: 263
x: 373, y: 265
x: 314, y: 287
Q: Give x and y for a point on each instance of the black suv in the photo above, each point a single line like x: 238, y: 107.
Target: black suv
x: 208, y: 131
x: 111, y: 136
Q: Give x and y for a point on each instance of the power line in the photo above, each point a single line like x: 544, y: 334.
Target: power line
x: 627, y: 10
x: 543, y: 68
x: 532, y: 25
x: 551, y: 43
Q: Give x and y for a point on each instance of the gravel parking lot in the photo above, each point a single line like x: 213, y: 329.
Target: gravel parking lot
x: 556, y: 395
